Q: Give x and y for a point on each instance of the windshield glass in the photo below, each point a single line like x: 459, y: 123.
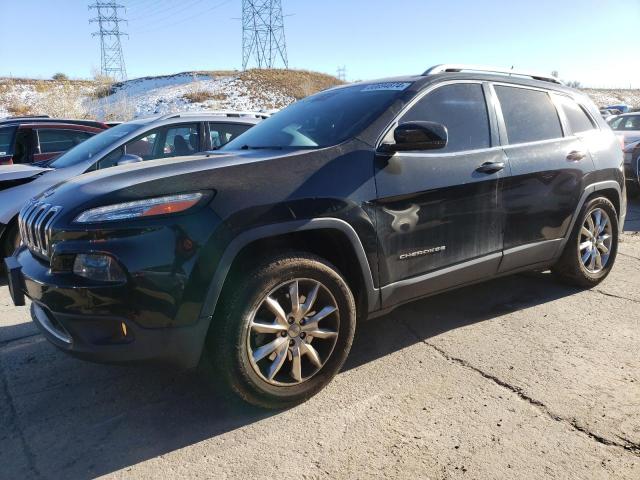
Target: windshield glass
x: 87, y: 149
x: 322, y: 120
x: 628, y: 122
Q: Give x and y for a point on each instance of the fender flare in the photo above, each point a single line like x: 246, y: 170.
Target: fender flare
x: 588, y: 191
x: 258, y: 233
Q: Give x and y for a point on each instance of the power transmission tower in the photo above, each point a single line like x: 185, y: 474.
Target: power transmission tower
x: 263, y: 33
x: 108, y: 20
x: 342, y: 73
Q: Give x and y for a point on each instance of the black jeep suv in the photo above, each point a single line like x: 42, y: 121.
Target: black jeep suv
x: 266, y: 253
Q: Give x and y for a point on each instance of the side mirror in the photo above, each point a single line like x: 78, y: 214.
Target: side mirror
x: 418, y: 136
x: 128, y: 158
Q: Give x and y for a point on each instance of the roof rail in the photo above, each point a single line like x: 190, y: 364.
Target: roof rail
x: 458, y: 67
x: 219, y: 113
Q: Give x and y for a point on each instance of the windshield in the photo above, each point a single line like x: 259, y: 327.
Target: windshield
x: 322, y: 120
x: 87, y: 149
x: 628, y: 122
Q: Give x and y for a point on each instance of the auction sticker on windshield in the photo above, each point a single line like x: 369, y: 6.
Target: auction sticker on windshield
x: 386, y: 86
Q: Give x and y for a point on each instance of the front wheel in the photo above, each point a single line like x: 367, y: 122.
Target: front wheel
x: 284, y: 329
x: 591, y: 250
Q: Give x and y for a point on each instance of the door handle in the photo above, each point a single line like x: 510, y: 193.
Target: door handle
x: 490, y: 167
x: 576, y: 156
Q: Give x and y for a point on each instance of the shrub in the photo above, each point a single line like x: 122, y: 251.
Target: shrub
x: 199, y: 96
x: 19, y: 109
x: 60, y: 77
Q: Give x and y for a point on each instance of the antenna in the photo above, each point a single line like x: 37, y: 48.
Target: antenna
x: 263, y: 37
x: 108, y: 20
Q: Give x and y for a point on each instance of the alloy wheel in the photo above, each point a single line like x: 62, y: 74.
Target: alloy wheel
x: 595, y: 240
x: 293, y: 332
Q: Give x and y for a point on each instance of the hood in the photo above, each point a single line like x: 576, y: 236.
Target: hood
x: 156, y: 177
x: 20, y: 172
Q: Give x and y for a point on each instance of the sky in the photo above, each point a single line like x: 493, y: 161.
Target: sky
x: 595, y: 42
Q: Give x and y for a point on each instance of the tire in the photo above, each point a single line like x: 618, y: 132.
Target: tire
x: 247, y: 325
x: 11, y: 240
x: 575, y: 266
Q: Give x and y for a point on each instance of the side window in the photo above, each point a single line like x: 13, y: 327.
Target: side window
x: 110, y: 159
x: 179, y: 140
x: 57, y: 140
x: 462, y: 109
x: 223, y: 133
x: 578, y: 120
x: 143, y: 146
x: 529, y: 115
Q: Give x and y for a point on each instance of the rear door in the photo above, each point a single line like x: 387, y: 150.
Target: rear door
x: 548, y: 167
x: 439, y: 216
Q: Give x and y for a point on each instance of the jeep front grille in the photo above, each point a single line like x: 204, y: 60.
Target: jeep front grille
x: 35, y: 222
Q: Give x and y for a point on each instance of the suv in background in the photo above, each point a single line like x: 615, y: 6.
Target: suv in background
x: 28, y: 140
x: 156, y: 138
x: 339, y: 208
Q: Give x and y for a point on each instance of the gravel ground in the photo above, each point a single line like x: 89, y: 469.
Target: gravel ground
x: 520, y: 377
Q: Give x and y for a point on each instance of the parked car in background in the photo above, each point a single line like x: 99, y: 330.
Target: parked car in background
x: 29, y: 140
x: 627, y: 127
x: 343, y: 206
x: 622, y: 108
x: 160, y: 137
x: 607, y: 114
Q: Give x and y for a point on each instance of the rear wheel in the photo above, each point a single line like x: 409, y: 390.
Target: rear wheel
x: 284, y: 331
x: 592, y: 248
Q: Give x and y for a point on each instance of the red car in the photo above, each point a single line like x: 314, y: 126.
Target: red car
x: 35, y: 140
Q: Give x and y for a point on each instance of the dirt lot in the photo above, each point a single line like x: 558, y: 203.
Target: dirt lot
x: 517, y: 378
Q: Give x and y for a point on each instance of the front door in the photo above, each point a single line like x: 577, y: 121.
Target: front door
x: 439, y: 212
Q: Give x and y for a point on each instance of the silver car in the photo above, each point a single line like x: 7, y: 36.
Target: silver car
x: 160, y: 137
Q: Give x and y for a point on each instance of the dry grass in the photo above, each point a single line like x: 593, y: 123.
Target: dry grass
x: 293, y: 83
x: 200, y: 96
x: 19, y: 109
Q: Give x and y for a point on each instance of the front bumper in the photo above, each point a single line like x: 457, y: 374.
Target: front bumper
x: 100, y: 338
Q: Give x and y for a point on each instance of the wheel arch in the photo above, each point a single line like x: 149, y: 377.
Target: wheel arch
x: 331, y: 238
x: 610, y: 189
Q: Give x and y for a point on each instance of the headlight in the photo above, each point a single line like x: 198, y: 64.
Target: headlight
x: 140, y: 208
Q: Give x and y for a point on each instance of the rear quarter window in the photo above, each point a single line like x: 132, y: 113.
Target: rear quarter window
x: 529, y: 115
x: 577, y: 118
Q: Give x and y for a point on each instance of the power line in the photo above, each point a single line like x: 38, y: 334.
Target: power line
x: 159, y: 26
x: 263, y: 37
x: 108, y: 19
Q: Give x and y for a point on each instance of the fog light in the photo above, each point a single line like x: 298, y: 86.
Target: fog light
x: 98, y: 267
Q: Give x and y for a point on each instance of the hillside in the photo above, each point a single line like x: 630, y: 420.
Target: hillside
x: 249, y: 90
x: 220, y: 90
